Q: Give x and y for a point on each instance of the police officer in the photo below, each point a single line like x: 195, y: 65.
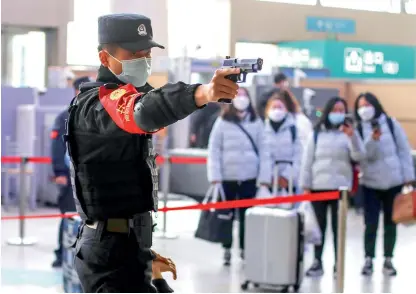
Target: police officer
x: 61, y: 169
x: 113, y: 168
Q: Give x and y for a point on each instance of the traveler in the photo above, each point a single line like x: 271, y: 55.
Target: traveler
x: 386, y: 168
x: 282, y: 139
x: 281, y: 83
x: 238, y: 157
x: 327, y: 166
x: 303, y: 123
x: 113, y: 168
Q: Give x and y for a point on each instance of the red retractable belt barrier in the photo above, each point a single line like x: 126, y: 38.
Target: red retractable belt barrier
x: 159, y: 160
x: 182, y: 160
x: 217, y: 205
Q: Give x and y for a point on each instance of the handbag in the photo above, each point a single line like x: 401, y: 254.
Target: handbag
x: 256, y: 150
x: 215, y: 225
x: 404, y: 207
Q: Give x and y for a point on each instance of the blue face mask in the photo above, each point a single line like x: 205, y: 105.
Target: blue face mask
x: 336, y: 118
x: 135, y: 71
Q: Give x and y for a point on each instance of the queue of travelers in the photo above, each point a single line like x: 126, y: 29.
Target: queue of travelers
x: 244, y: 147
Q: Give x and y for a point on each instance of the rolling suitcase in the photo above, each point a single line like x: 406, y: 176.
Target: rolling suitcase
x: 70, y: 278
x: 274, y: 246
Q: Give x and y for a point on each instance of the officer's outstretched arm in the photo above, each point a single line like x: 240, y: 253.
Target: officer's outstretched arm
x: 165, y: 106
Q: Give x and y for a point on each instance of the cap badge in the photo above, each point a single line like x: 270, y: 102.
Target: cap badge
x: 142, y: 30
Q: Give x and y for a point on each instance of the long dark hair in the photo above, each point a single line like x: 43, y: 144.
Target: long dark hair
x: 290, y: 101
x: 229, y: 112
x: 324, y: 121
x: 372, y: 99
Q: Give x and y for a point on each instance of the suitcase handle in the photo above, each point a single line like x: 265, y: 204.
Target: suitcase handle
x: 275, y: 188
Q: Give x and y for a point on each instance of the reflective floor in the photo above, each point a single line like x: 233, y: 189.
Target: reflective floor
x: 27, y: 269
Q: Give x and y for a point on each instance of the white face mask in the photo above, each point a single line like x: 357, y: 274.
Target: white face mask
x: 134, y: 71
x: 241, y: 103
x: 277, y: 114
x: 366, y: 113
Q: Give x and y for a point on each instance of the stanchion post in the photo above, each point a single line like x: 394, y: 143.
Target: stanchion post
x: 165, y: 190
x: 342, y: 229
x: 23, y: 198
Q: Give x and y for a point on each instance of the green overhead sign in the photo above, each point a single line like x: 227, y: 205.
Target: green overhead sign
x: 353, y: 59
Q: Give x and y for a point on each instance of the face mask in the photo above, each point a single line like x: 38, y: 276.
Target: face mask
x: 336, y: 118
x: 135, y: 71
x: 277, y: 114
x: 366, y: 113
x: 241, y: 103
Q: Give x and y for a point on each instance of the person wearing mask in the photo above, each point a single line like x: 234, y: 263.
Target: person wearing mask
x: 385, y: 169
x: 327, y: 166
x: 237, y: 157
x: 303, y: 123
x: 282, y: 139
x: 60, y: 170
x: 281, y: 83
x: 113, y: 162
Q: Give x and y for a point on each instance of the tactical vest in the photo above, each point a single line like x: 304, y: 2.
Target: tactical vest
x: 112, y: 176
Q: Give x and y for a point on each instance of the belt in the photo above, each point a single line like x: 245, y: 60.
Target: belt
x: 114, y: 225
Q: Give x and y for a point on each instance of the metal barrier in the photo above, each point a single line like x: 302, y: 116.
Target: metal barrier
x: 22, y: 240
x: 342, y: 229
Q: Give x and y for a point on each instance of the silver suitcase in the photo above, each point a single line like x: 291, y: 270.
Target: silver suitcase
x: 274, y: 246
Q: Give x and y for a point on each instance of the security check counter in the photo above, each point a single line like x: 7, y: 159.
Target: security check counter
x: 189, y: 179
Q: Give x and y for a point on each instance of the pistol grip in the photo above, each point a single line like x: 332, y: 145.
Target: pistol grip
x: 235, y: 79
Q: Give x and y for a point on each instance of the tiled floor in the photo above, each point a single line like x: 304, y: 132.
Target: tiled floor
x: 27, y: 269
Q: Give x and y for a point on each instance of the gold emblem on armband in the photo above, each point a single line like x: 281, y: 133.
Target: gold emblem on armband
x: 117, y: 94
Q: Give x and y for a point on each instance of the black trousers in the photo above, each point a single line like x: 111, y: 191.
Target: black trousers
x: 374, y: 202
x: 239, y: 190
x: 66, y: 204
x: 321, y: 212
x: 112, y: 263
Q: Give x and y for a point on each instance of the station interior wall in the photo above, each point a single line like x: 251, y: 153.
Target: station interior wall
x: 278, y: 22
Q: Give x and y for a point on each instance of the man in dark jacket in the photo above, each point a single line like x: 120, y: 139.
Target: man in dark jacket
x: 280, y: 84
x: 61, y: 169
x: 201, y: 125
x: 113, y: 167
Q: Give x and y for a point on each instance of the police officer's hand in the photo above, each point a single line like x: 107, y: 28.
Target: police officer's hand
x: 220, y: 87
x: 61, y: 180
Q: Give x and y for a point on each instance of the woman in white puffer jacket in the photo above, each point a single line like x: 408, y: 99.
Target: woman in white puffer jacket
x: 282, y: 140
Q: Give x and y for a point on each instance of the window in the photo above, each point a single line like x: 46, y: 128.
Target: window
x: 203, y: 39
x: 84, y: 30
x: 410, y: 6
x: 302, y: 2
x: 82, y: 43
x: 369, y: 5
x: 90, y: 10
x: 29, y: 60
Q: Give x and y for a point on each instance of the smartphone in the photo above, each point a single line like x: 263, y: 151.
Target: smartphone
x: 349, y: 120
x: 375, y: 125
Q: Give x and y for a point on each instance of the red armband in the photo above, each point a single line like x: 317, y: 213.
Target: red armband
x: 119, y: 104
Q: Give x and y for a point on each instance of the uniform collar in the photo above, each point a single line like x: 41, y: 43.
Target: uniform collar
x: 106, y: 76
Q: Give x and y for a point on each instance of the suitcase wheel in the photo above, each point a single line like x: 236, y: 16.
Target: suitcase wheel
x: 296, y: 288
x: 256, y: 285
x: 284, y: 290
x: 244, y: 286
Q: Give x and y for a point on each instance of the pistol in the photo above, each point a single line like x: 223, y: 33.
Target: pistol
x: 246, y: 66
